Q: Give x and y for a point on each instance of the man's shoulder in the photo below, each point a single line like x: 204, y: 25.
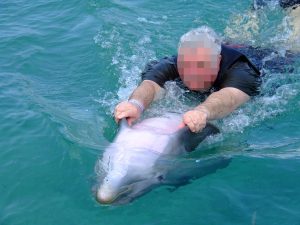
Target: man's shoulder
x: 241, y: 76
x: 164, y: 61
x: 169, y: 59
x: 161, y: 70
x: 231, y: 55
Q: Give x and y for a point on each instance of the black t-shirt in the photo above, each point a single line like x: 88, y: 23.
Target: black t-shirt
x: 240, y: 74
x: 283, y: 3
x: 289, y: 3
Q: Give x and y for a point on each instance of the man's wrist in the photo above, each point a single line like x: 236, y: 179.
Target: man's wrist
x: 138, y: 104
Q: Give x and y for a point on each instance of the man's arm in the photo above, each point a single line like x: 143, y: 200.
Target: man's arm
x: 218, y: 105
x: 221, y: 103
x: 154, y: 77
x: 144, y: 94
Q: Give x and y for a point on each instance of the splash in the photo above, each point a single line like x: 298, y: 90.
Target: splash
x: 278, y: 89
x: 128, y: 59
x: 268, y: 27
x: 288, y: 35
x: 243, y: 27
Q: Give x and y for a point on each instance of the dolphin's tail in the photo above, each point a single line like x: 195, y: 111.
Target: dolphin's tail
x: 191, y: 140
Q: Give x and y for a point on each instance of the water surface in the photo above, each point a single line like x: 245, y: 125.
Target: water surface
x: 63, y: 67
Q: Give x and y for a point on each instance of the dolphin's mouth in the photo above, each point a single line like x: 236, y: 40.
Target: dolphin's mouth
x: 127, y: 193
x: 110, y: 197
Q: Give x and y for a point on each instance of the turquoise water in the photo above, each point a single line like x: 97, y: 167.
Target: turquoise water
x: 63, y: 67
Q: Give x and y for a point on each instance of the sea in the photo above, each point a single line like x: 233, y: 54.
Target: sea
x: 65, y: 65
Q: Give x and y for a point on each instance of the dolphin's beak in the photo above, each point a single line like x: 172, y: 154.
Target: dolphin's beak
x: 106, y: 195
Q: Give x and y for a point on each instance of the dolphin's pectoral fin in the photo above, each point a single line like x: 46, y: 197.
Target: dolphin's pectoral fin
x: 172, y: 189
x: 178, y: 184
x: 191, y: 140
x: 187, y: 172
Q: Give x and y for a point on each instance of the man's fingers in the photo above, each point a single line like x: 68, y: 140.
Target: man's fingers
x: 195, y: 121
x: 122, y: 114
x: 120, y: 108
x: 187, y: 121
x: 128, y: 111
x: 191, y: 125
x: 130, y: 121
x: 194, y: 127
x: 181, y: 125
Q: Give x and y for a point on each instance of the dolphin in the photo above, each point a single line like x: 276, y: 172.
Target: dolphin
x: 145, y: 156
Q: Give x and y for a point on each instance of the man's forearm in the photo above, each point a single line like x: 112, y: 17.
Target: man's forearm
x: 145, y: 93
x: 221, y: 103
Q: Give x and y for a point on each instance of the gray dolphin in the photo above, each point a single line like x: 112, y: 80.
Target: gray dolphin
x: 144, y: 156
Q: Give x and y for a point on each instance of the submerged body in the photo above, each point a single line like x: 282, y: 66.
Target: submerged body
x: 142, y: 157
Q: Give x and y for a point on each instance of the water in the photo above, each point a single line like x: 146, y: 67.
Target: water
x: 63, y: 67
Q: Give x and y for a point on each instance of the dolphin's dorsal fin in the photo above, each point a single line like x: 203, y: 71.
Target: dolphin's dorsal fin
x: 123, y: 124
x: 191, y: 140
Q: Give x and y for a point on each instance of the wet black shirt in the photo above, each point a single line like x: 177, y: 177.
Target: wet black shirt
x: 236, y: 71
x: 283, y: 3
x: 289, y: 3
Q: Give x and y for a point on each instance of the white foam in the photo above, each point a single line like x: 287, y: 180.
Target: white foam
x: 128, y: 59
x: 144, y: 20
x: 129, y: 65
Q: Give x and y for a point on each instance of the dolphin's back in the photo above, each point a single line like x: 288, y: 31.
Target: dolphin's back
x: 153, y: 134
x: 162, y: 131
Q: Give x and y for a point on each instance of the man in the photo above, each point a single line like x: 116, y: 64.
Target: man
x: 203, y: 65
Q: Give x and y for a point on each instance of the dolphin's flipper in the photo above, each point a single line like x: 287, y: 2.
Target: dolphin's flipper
x: 191, y: 140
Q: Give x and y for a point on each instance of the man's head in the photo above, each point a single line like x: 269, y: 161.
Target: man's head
x: 199, y: 58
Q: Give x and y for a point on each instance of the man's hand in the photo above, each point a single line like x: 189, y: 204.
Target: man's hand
x: 194, y: 119
x: 127, y: 110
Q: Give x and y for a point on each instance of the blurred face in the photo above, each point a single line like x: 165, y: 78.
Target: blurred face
x: 198, y: 67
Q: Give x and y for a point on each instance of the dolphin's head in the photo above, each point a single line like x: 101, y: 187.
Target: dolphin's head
x: 107, y: 194
x: 112, y: 188
x: 126, y: 175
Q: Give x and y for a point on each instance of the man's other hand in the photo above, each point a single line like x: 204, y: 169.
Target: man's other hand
x: 127, y: 110
x: 194, y: 119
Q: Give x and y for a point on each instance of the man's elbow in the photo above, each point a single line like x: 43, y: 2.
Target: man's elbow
x: 237, y: 97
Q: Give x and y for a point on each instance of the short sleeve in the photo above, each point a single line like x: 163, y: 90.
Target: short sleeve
x: 242, y: 77
x: 161, y: 71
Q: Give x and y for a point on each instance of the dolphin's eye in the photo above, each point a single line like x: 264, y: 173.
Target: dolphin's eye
x: 160, y: 178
